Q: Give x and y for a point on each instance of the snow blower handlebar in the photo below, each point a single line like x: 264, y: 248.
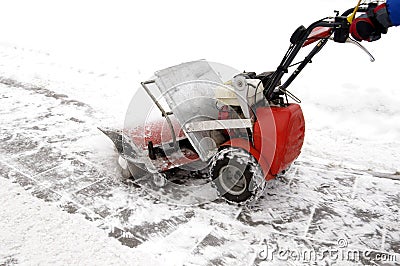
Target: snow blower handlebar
x: 321, y: 31
x: 298, y: 39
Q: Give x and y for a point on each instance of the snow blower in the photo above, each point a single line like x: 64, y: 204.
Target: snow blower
x: 238, y: 128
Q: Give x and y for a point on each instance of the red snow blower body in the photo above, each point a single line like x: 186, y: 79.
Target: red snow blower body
x: 237, y: 127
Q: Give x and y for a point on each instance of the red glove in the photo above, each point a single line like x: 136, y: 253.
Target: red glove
x: 370, y: 26
x: 362, y: 29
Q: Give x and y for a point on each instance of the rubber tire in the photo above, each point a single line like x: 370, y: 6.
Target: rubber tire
x: 233, y: 156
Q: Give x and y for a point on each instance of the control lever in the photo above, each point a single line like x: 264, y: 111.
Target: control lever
x: 371, y: 57
x: 358, y: 44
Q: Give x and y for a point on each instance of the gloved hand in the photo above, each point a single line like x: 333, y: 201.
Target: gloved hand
x: 370, y: 26
x: 363, y: 29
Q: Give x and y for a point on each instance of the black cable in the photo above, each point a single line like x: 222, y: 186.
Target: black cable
x: 255, y: 95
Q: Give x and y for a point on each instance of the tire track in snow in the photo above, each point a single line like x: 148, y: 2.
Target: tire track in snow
x: 44, y: 91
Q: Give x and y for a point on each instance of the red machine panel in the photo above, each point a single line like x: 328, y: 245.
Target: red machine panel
x: 279, y: 135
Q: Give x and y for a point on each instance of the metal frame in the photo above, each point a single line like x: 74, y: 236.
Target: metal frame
x: 218, y: 124
x: 164, y: 113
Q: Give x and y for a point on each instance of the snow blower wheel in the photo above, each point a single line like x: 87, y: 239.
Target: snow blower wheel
x: 236, y: 175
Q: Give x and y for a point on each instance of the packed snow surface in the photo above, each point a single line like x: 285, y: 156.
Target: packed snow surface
x: 67, y: 68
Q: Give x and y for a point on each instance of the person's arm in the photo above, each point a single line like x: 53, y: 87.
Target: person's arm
x: 393, y: 9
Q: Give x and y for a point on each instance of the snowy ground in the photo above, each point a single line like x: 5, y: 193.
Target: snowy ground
x: 62, y: 201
